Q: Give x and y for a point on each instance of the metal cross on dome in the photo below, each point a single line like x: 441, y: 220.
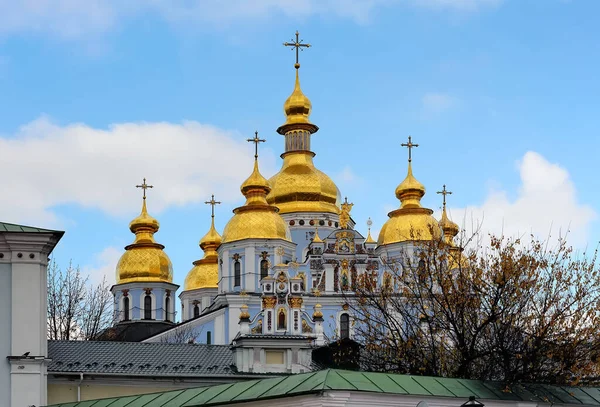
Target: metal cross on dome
x: 212, y: 204
x: 144, y: 187
x: 298, y: 45
x: 410, y: 146
x: 256, y: 140
x: 444, y: 192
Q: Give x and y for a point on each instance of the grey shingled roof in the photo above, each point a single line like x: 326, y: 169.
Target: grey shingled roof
x: 140, y: 358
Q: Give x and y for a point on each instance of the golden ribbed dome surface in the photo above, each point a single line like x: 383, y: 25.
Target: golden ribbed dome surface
x: 411, y: 221
x: 300, y: 187
x: 297, y: 107
x: 256, y: 219
x: 144, y: 260
x: 205, y: 273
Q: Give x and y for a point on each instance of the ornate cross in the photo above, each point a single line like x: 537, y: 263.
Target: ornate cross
x: 410, y: 146
x: 256, y: 140
x: 298, y: 45
x: 144, y: 186
x: 212, y: 204
x: 444, y: 192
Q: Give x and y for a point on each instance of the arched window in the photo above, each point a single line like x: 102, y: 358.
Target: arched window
x: 126, y: 309
x: 264, y: 269
x: 237, y: 274
x: 147, y: 307
x: 281, y: 320
x: 196, y: 310
x: 167, y: 308
x: 344, y: 326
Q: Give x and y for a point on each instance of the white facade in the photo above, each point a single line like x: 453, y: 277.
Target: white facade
x: 23, y: 314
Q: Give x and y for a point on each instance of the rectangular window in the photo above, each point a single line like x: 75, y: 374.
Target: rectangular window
x: 208, y: 338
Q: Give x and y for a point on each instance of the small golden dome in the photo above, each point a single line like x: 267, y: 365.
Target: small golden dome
x: 411, y: 221
x: 317, y: 238
x: 297, y: 107
x: 317, y: 313
x: 144, y: 260
x: 256, y: 219
x: 205, y: 273
x: 449, y: 228
x: 300, y: 187
x: 370, y: 238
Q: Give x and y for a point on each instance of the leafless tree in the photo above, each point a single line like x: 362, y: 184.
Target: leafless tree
x: 181, y: 334
x: 512, y: 311
x: 77, y: 309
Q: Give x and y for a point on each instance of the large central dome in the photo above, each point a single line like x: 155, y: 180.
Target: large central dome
x: 299, y: 186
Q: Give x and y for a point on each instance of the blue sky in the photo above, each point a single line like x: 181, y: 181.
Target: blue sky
x: 502, y: 97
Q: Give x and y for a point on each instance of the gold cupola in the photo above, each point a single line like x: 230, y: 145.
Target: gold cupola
x: 299, y: 186
x: 256, y: 219
x: 144, y: 260
x: 205, y: 273
x: 412, y: 221
x: 449, y: 228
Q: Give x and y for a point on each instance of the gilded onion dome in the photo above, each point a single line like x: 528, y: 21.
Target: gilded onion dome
x: 205, y: 273
x: 449, y: 228
x: 256, y: 219
x: 144, y: 260
x: 299, y: 186
x: 412, y: 221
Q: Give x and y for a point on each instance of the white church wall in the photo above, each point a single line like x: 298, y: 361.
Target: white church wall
x: 5, y: 320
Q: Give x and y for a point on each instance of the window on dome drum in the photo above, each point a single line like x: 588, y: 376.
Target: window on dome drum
x: 126, y: 309
x: 237, y: 274
x: 208, y: 338
x: 147, y: 307
x: 344, y: 326
x: 196, y: 310
x: 264, y: 269
x: 167, y: 308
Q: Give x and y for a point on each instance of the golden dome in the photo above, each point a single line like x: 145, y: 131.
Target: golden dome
x: 317, y: 238
x: 297, y: 107
x: 411, y: 221
x: 449, y: 228
x: 205, y: 273
x: 144, y: 260
x: 300, y: 187
x: 256, y: 219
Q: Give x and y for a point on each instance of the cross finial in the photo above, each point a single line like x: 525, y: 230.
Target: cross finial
x: 410, y: 146
x: 212, y: 204
x: 298, y: 45
x: 144, y: 186
x: 444, y: 192
x: 256, y: 140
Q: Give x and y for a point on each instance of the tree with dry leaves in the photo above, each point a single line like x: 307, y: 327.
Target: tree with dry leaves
x: 77, y: 309
x: 511, y: 310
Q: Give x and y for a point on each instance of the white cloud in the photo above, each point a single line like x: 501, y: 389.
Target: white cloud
x: 105, y: 264
x: 51, y: 165
x: 346, y: 177
x: 546, y: 203
x: 438, y: 102
x: 76, y: 18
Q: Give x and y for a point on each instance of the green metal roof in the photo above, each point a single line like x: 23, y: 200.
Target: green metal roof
x: 11, y: 227
x: 333, y: 379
